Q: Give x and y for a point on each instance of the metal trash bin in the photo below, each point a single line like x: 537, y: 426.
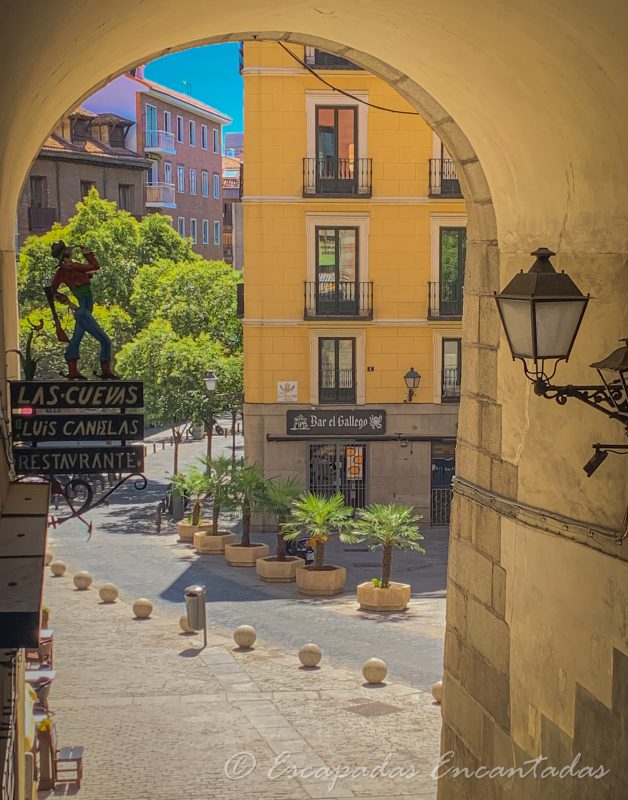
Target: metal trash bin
x: 195, y: 607
x: 178, y: 506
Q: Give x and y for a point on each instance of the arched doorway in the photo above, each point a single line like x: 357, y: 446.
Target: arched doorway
x: 523, y: 593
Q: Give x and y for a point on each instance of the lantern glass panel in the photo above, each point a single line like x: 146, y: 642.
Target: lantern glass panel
x: 516, y: 316
x: 556, y: 326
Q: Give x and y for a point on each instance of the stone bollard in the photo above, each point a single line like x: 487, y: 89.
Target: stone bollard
x: 142, y: 608
x: 108, y: 592
x: 82, y: 580
x: 57, y: 568
x: 375, y: 670
x: 310, y: 655
x: 183, y: 624
x: 437, y: 692
x: 245, y: 636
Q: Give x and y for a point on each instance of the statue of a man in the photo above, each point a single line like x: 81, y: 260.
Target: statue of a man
x: 77, y: 277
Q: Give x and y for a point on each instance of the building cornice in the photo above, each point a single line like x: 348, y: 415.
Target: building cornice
x: 394, y: 201
x: 93, y: 158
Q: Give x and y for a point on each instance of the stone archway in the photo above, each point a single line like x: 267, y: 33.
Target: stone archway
x: 536, y: 640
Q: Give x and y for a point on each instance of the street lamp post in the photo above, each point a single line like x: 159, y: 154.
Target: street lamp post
x: 211, y: 384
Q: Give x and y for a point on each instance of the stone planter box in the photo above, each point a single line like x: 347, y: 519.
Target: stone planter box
x: 395, y: 598
x: 238, y: 556
x: 274, y: 571
x: 206, y: 543
x: 321, y: 583
x: 186, y: 531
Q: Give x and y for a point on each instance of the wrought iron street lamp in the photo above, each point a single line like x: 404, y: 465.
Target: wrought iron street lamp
x: 412, y: 379
x: 541, y: 311
x: 211, y: 381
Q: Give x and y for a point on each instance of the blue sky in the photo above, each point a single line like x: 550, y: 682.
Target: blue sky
x: 212, y: 76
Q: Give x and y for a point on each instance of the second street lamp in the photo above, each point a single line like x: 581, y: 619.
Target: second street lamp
x: 412, y: 380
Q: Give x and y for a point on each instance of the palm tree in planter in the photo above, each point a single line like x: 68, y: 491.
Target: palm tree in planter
x: 193, y: 482
x: 246, y: 493
x: 387, y: 527
x: 219, y: 473
x: 278, y: 500
x: 319, y: 518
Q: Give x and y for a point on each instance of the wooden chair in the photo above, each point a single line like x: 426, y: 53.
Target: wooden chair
x: 65, y: 760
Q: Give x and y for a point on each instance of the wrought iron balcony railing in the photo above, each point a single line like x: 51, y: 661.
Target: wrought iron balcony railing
x: 160, y: 195
x: 443, y: 178
x: 160, y: 142
x: 445, y: 300
x: 338, y: 300
x: 337, y: 177
x: 451, y: 385
x: 41, y: 219
x: 336, y: 386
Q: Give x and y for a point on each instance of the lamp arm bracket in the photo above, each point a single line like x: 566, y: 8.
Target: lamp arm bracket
x: 597, y: 396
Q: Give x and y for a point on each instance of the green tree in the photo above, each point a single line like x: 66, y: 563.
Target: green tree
x: 319, y: 517
x: 388, y: 527
x: 48, y: 351
x: 195, y: 483
x: 195, y: 297
x: 120, y: 243
x: 219, y: 471
x: 246, y: 493
x: 278, y: 500
x: 173, y: 369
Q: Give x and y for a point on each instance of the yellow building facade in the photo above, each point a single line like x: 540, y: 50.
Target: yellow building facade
x: 354, y: 248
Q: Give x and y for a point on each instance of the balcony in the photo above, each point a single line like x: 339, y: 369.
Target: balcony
x: 336, y: 386
x: 443, y: 180
x: 337, y: 177
x: 322, y: 60
x: 160, y: 195
x: 41, y: 218
x: 160, y: 142
x: 342, y: 300
x: 445, y: 301
x: 450, y: 389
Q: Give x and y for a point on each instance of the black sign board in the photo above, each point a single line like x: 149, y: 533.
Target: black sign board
x: 76, y: 427
x: 337, y: 422
x: 77, y: 394
x: 77, y: 461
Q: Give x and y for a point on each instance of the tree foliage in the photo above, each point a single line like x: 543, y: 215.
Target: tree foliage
x: 195, y: 298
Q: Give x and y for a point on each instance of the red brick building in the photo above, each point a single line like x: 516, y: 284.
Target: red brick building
x: 84, y: 150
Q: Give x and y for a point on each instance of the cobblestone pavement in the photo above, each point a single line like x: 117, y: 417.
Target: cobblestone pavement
x: 159, y: 720
x: 162, y: 719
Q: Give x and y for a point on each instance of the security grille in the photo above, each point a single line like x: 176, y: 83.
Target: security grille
x: 339, y: 467
x: 440, y: 512
x: 8, y: 720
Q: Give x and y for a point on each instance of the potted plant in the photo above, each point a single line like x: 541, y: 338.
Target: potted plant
x: 195, y: 483
x: 45, y: 617
x: 212, y: 540
x: 245, y: 493
x: 278, y: 500
x: 319, y: 518
x: 387, y: 527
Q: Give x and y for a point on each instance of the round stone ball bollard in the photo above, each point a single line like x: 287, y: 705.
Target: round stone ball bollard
x: 48, y: 558
x: 310, y: 655
x: 142, y: 608
x: 82, y: 580
x: 183, y: 624
x: 375, y: 670
x: 58, y: 568
x: 245, y: 636
x: 437, y: 692
x: 108, y: 592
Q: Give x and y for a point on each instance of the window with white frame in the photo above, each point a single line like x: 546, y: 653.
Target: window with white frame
x: 167, y: 121
x: 192, y: 181
x: 168, y: 172
x: 204, y: 138
x: 181, y: 179
x: 216, y: 137
x: 192, y: 133
x: 216, y: 232
x: 205, y: 183
x: 205, y: 231
x: 181, y: 226
x: 193, y: 230
x: 179, y: 129
x: 216, y: 181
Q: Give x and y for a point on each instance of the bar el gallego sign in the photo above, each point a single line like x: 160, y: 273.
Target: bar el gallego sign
x: 367, y: 422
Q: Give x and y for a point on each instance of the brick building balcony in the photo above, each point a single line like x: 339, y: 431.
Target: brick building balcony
x: 160, y: 142
x: 160, y: 195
